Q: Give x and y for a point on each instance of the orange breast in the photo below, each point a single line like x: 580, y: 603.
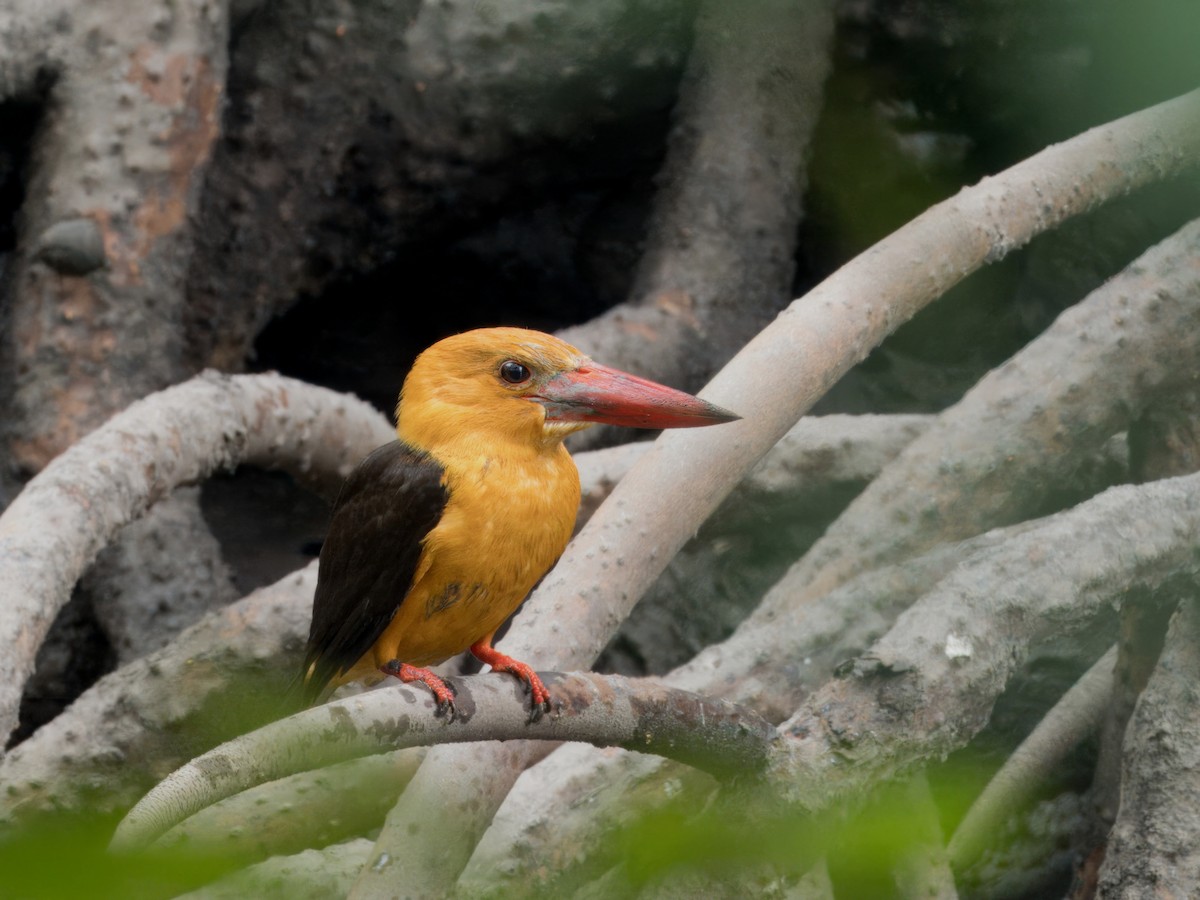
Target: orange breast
x: 507, y: 520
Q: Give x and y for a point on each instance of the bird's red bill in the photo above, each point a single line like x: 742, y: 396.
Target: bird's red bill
x: 596, y: 393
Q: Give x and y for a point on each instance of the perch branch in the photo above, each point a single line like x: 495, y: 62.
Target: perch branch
x: 924, y: 688
x: 684, y: 476
x: 58, y: 524
x: 592, y: 794
x: 920, y: 691
x: 115, y: 730
x: 1018, y: 422
x: 713, y: 735
x: 233, y: 646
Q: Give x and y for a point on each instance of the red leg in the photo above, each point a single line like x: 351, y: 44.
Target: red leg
x: 499, y: 662
x: 443, y: 693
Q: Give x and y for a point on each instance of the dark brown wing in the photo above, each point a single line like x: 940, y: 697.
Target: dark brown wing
x: 387, y: 506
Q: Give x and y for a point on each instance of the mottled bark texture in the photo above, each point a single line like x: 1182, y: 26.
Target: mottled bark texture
x: 1163, y: 442
x: 149, y: 717
x: 714, y: 735
x: 176, y: 198
x: 671, y: 490
x: 362, y: 126
x: 95, y: 300
x: 309, y: 809
x: 156, y: 712
x: 1154, y: 847
x: 56, y: 527
x: 922, y: 690
x: 93, y: 304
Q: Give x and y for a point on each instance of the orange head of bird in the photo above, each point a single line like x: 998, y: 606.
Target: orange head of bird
x: 533, y: 388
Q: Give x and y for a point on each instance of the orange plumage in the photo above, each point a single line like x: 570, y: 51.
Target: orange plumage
x: 437, y: 538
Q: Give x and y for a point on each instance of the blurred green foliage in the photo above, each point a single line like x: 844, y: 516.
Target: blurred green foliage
x: 65, y: 856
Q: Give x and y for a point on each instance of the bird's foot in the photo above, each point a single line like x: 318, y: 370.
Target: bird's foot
x: 443, y: 692
x: 539, y: 696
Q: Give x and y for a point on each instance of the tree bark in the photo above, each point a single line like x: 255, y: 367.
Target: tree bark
x: 1154, y: 848
x: 718, y: 263
x: 685, y: 476
x: 58, y: 524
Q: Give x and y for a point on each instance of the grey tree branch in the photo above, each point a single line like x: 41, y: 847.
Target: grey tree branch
x: 154, y: 714
x: 714, y: 735
x: 997, y: 428
x: 718, y: 263
x: 1024, y: 392
x: 1023, y: 430
x: 309, y: 809
x: 58, y: 524
x: 928, y: 685
x: 314, y: 874
x: 124, y: 715
x: 1075, y: 716
x: 1164, y: 442
x: 1154, y: 847
x: 807, y: 348
x: 591, y: 795
x: 1031, y: 422
x: 923, y: 689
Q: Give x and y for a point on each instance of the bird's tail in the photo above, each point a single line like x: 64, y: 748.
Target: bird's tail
x: 304, y: 691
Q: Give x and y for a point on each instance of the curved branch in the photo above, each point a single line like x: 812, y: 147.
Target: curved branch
x: 592, y: 795
x: 1011, y: 428
x: 720, y: 242
x: 157, y: 712
x: 927, y: 687
x: 1018, y: 437
x: 175, y: 691
x: 920, y: 691
x: 314, y: 873
x: 62, y: 519
x: 309, y: 809
x: 683, y: 477
x: 713, y: 735
x: 1076, y: 715
x: 816, y: 340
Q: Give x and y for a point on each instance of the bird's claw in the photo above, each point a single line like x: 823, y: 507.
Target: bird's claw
x: 539, y: 697
x: 537, y: 710
x: 443, y: 691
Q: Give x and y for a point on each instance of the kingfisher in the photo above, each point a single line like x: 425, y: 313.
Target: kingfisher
x: 437, y: 537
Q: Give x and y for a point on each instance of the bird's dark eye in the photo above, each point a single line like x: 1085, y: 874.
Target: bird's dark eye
x: 514, y: 372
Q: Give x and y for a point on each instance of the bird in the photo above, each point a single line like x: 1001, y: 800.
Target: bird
x: 437, y: 537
